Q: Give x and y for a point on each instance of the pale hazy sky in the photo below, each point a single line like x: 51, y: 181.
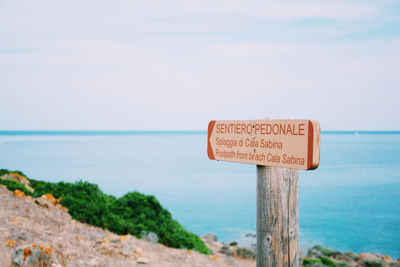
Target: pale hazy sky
x: 175, y: 65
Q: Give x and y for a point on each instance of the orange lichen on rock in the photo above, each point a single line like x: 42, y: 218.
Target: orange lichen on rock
x: 123, y: 238
x: 27, y: 253
x: 19, y: 193
x: 214, y: 257
x: 19, y: 178
x: 11, y: 243
x: 50, y: 198
x: 189, y: 251
x: 62, y: 207
x: 48, y: 251
x: 387, y: 259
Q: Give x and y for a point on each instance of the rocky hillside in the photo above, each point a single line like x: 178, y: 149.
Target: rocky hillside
x: 134, y: 213
x: 40, y: 232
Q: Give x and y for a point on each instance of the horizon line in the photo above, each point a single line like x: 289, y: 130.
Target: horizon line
x: 128, y: 132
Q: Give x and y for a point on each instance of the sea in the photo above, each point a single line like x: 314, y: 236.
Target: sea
x: 351, y: 202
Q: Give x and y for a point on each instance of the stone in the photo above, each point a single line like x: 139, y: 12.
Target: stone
x: 33, y: 255
x: 246, y: 253
x: 142, y: 260
x: 42, y: 202
x: 50, y: 198
x: 387, y: 259
x: 314, y: 253
x: 226, y: 250
x: 98, y: 244
x: 210, y: 237
x: 345, y: 258
x: 127, y: 248
x: 336, y: 255
x: 369, y: 257
x: 19, y: 193
x: 150, y: 237
x: 353, y: 256
x: 251, y: 235
x: 106, y: 248
x: 327, y: 252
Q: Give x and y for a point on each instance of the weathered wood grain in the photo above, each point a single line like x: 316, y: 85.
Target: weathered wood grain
x: 277, y: 217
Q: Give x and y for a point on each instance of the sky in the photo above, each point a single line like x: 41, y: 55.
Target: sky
x: 176, y: 65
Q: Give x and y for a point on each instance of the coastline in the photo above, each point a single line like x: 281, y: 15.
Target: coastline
x: 22, y: 210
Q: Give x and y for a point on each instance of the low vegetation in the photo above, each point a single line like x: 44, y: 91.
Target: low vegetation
x: 133, y: 213
x: 319, y: 256
x: 14, y: 185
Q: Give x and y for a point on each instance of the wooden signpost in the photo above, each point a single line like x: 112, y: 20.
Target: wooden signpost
x: 279, y: 148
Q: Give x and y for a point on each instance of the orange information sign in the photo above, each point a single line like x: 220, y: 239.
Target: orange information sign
x: 281, y: 143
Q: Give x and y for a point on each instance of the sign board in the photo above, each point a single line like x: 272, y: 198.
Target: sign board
x: 280, y: 143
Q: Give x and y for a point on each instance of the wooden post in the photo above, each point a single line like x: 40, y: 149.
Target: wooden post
x: 277, y: 217
x: 277, y: 186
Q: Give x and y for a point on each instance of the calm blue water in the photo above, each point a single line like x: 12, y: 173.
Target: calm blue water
x: 351, y: 202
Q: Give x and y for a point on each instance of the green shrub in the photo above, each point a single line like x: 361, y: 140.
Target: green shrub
x: 323, y: 261
x: 137, y: 213
x: 14, y: 185
x: 327, y: 261
x: 85, y: 201
x: 311, y: 261
x: 132, y: 213
x: 234, y: 244
x: 5, y: 171
x: 342, y: 264
x: 373, y: 264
